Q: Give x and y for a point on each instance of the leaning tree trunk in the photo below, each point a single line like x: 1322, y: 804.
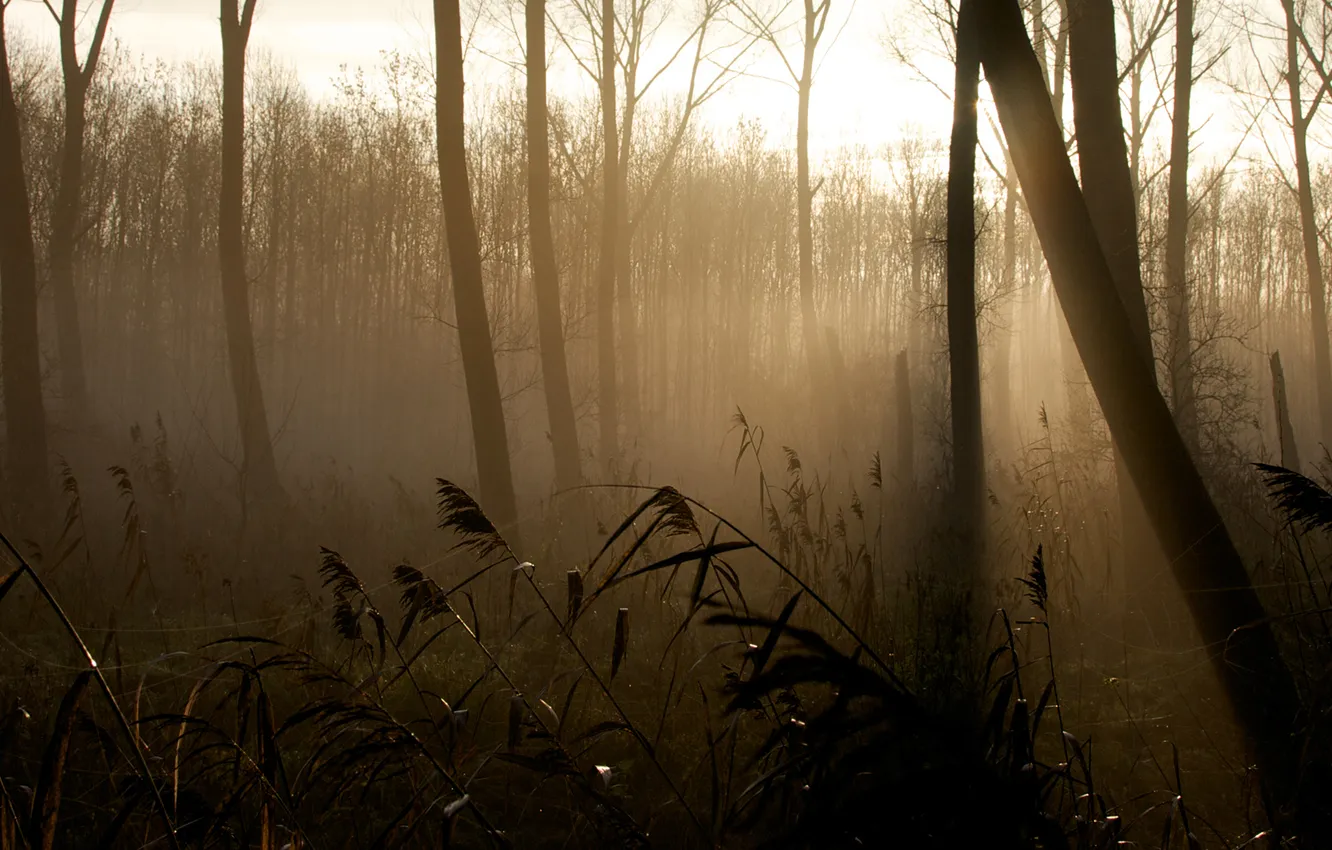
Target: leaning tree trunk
x: 259, y: 469
x: 963, y: 343
x: 545, y: 272
x: 489, y: 434
x: 608, y: 399
x: 1309, y: 225
x: 1079, y: 404
x: 1223, y: 602
x: 1177, y: 231
x: 25, y: 416
x: 1107, y: 185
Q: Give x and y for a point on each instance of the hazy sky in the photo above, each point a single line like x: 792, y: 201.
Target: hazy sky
x: 860, y: 94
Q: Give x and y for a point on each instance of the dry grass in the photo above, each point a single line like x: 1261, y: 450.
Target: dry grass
x: 696, y: 686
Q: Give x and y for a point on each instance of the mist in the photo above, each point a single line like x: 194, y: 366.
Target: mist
x: 610, y: 423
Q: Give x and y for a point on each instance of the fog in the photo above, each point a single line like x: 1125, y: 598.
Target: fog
x: 708, y: 393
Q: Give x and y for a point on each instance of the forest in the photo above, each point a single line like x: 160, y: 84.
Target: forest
x: 568, y: 461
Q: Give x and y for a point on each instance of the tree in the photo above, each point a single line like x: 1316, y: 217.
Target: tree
x: 1177, y: 231
x: 1301, y: 117
x: 637, y: 27
x: 1206, y: 564
x: 489, y: 433
x: 25, y: 415
x: 919, y: 191
x: 1290, y: 452
x: 814, y: 22
x: 1103, y: 156
x: 1041, y: 33
x: 1108, y: 187
x: 963, y: 342
x: 259, y: 469
x: 1143, y: 35
x: 65, y: 217
x: 545, y: 274
x: 608, y: 401
x: 697, y: 93
x: 628, y: 354
x: 816, y: 18
x: 1003, y: 355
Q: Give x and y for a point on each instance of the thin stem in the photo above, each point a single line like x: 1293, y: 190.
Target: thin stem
x: 145, y: 771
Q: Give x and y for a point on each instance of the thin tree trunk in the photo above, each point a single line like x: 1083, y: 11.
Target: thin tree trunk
x: 1313, y: 262
x: 545, y: 273
x: 1060, y: 69
x: 1038, y: 36
x: 963, y: 343
x: 1177, y: 230
x: 489, y: 434
x: 916, y: 297
x: 259, y: 469
x: 837, y: 377
x: 1107, y: 185
x: 65, y: 216
x: 608, y: 401
x: 906, y: 434
x: 1136, y: 130
x: 25, y: 416
x: 1225, y: 607
x: 628, y: 359
x: 1003, y: 355
x: 814, y: 20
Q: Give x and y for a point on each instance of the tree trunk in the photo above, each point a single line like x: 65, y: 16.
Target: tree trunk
x: 805, y: 201
x: 916, y: 297
x: 65, y: 216
x: 1038, y: 36
x: 838, y: 381
x: 258, y: 469
x: 545, y: 273
x: 1107, y: 183
x: 628, y: 359
x: 25, y: 416
x: 1107, y: 186
x: 1290, y: 452
x: 1177, y: 231
x: 963, y: 343
x: 64, y: 224
x: 1060, y: 69
x: 1003, y: 355
x: 1075, y: 379
x: 608, y: 401
x: 1309, y: 224
x: 489, y: 434
x: 906, y: 434
x: 1224, y: 605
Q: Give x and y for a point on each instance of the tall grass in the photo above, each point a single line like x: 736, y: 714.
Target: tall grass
x: 686, y: 683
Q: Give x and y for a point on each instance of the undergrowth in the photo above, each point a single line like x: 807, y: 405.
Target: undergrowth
x: 690, y: 684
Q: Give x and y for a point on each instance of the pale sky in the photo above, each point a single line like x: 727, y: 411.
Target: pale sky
x: 861, y: 95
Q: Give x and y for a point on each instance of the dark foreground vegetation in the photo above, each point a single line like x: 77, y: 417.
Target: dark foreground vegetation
x: 942, y: 615
x: 688, y: 684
